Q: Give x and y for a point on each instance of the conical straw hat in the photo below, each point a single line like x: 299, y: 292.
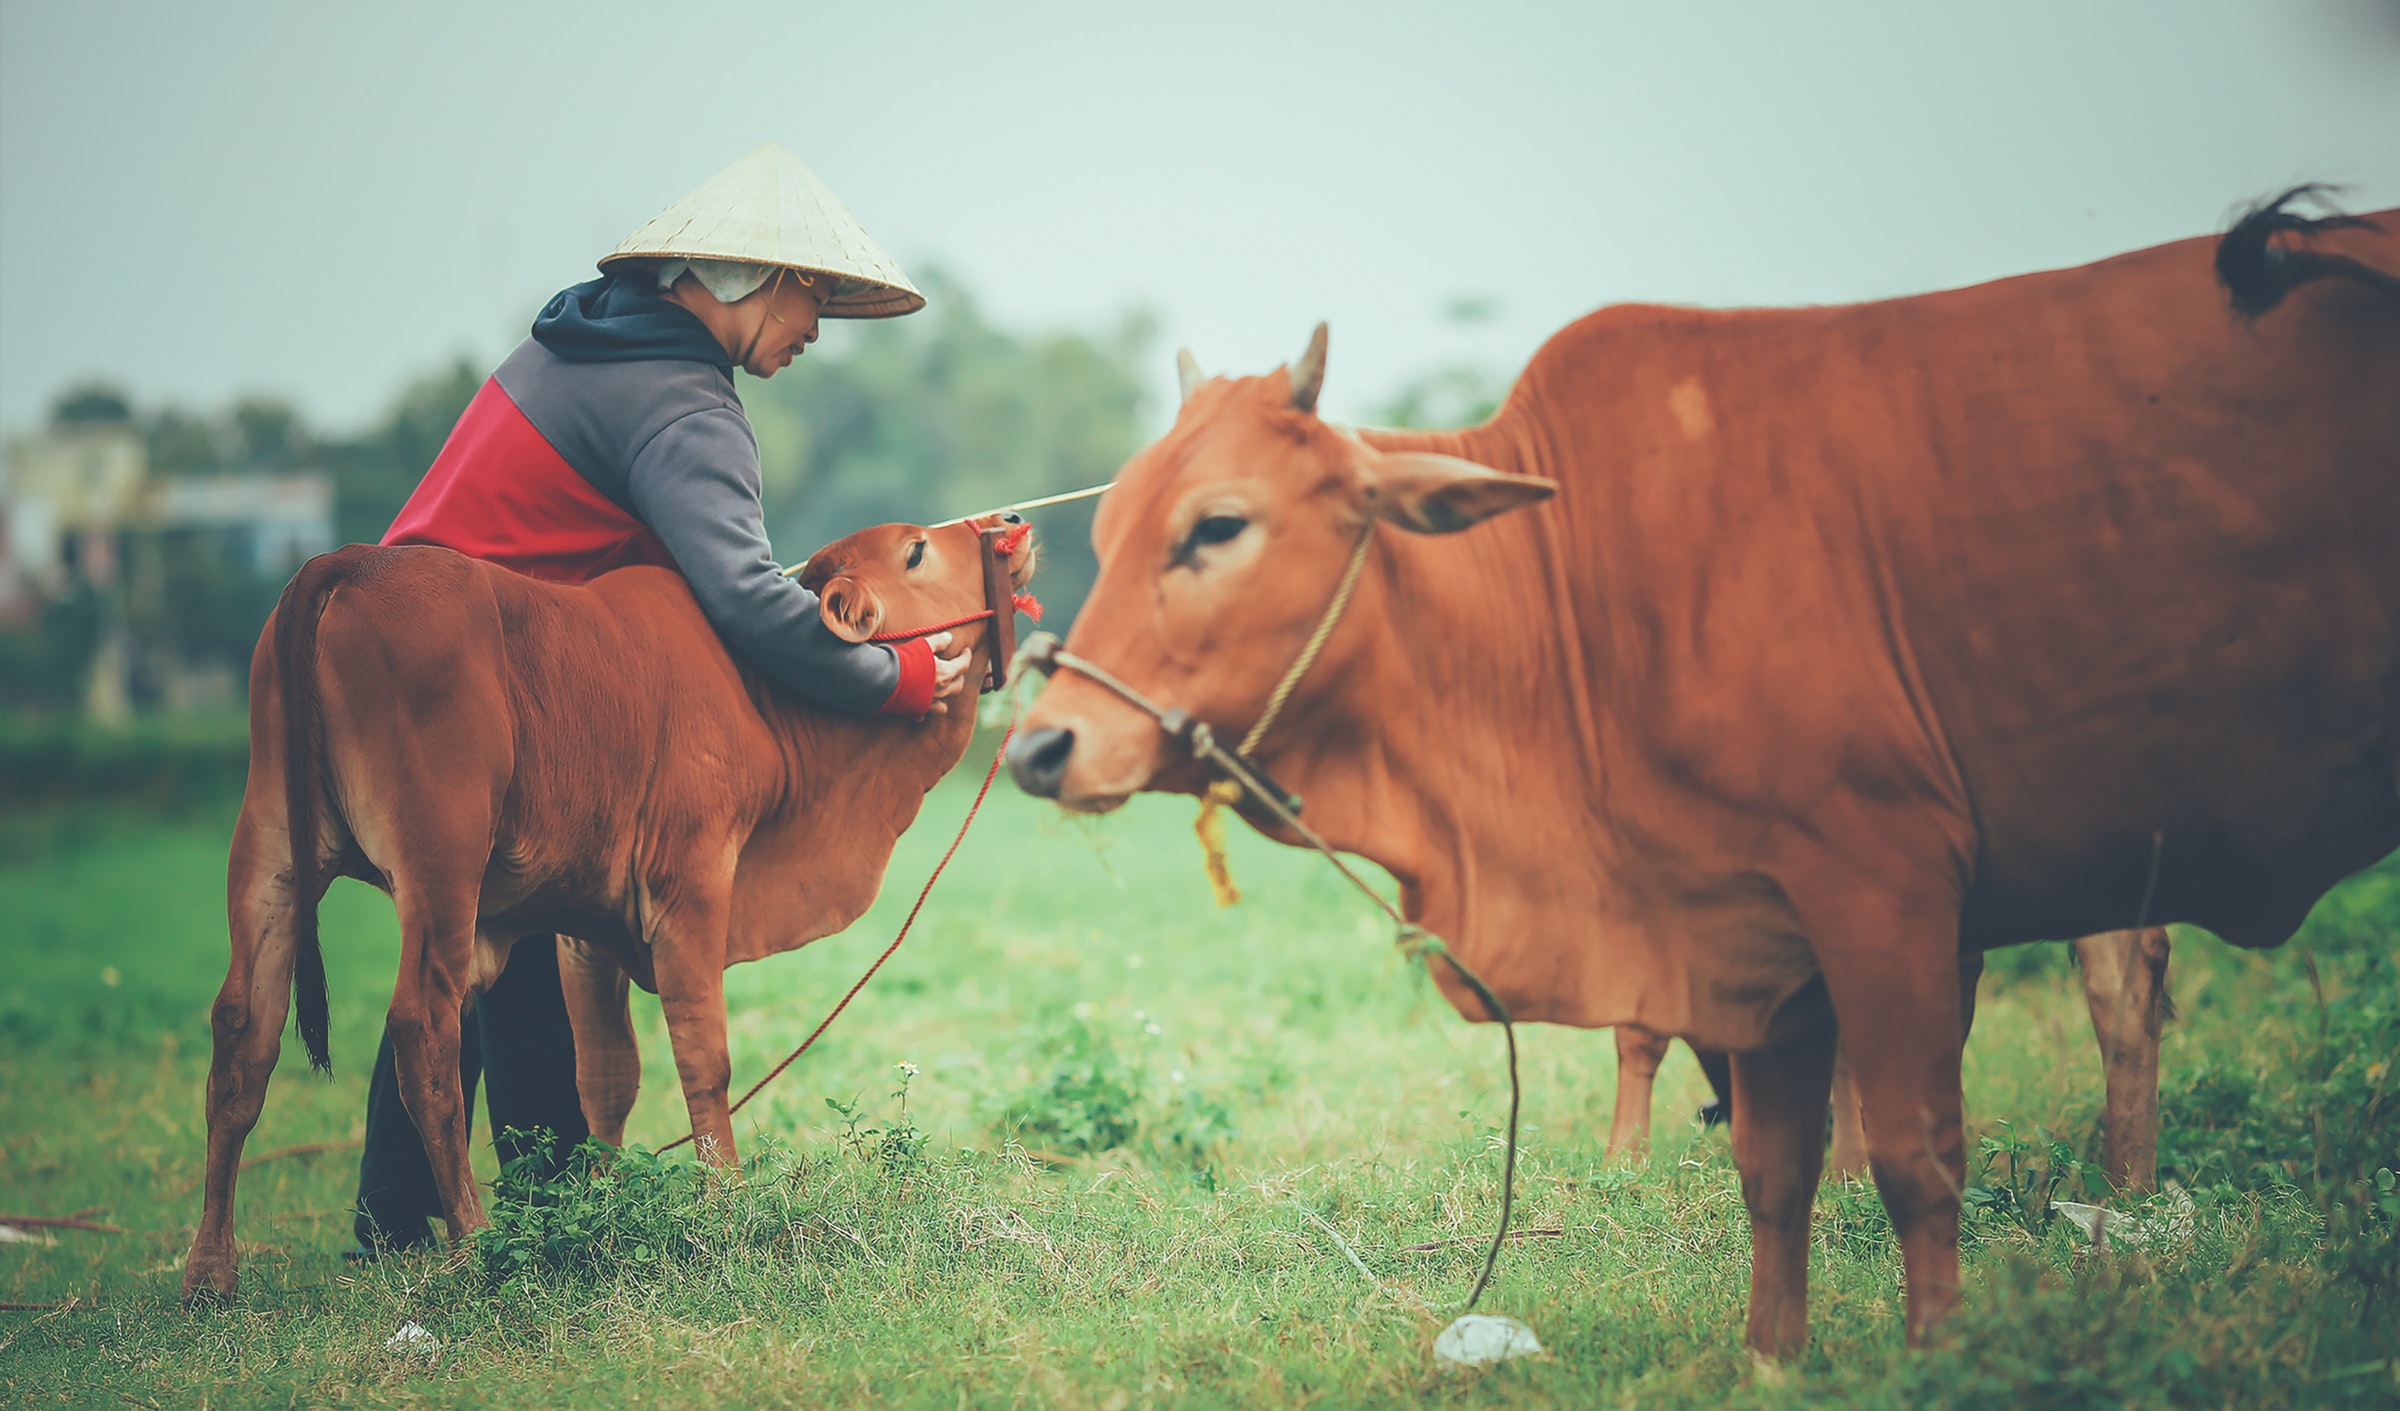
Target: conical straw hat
x: 770, y: 209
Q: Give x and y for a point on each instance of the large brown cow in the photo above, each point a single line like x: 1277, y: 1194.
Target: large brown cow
x: 507, y: 758
x: 1856, y: 641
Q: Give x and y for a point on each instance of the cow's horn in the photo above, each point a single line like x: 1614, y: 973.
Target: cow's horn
x: 1187, y: 371
x: 1308, y: 374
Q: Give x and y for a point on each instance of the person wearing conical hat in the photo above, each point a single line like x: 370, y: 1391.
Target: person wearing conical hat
x: 613, y: 436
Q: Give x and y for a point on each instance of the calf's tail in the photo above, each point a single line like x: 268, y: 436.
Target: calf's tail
x: 2257, y: 272
x: 296, y: 617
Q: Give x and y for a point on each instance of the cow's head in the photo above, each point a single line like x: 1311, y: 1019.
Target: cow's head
x: 904, y: 577
x: 1220, y: 547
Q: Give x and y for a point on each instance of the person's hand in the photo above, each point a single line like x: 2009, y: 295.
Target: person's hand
x: 949, y: 672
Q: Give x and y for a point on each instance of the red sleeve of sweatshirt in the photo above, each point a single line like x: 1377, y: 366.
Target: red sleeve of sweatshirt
x: 914, y: 695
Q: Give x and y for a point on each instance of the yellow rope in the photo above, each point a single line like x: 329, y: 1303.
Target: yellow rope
x: 1210, y: 825
x: 1225, y: 793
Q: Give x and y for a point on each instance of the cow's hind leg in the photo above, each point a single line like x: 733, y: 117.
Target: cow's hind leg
x: 246, y: 1034
x: 2125, y: 988
x: 1778, y: 1142
x: 1639, y: 1052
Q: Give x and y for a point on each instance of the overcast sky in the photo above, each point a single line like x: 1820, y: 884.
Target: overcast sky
x: 317, y: 201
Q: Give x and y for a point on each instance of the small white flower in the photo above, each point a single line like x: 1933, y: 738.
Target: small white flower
x: 907, y: 1070
x: 1176, y: 1077
x: 1152, y: 1029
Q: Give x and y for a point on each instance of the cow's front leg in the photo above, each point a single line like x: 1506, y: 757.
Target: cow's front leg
x: 608, y: 1063
x: 1896, y: 987
x: 1639, y: 1053
x: 1778, y: 1143
x: 688, y: 947
x: 2125, y: 988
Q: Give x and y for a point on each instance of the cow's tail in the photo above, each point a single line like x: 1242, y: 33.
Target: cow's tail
x: 2257, y: 272
x: 296, y: 617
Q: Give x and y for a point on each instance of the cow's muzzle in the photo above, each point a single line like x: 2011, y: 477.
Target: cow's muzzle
x: 1037, y: 760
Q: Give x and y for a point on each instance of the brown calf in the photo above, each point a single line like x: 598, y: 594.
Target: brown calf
x: 507, y: 758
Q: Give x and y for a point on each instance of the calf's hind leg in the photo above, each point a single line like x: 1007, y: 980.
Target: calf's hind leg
x: 246, y: 1036
x: 437, y: 946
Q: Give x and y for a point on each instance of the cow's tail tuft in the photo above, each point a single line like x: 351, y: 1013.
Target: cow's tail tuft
x: 2257, y: 272
x: 296, y: 617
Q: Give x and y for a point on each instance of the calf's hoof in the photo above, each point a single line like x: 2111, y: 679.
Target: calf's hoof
x: 208, y: 1280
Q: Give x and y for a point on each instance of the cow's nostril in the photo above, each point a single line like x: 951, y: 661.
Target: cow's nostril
x: 1038, y: 760
x: 1012, y: 517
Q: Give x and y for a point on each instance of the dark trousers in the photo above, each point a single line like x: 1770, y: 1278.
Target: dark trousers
x: 517, y: 1036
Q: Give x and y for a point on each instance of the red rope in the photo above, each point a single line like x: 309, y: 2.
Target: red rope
x: 912, y: 633
x: 777, y: 1071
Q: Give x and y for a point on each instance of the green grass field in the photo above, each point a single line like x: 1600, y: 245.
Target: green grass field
x: 1100, y: 1191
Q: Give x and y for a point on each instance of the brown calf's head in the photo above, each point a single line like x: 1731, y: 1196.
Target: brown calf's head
x: 1220, y: 547
x: 904, y: 578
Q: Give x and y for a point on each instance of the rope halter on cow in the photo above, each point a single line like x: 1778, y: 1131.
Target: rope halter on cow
x: 1001, y: 604
x: 1239, y: 773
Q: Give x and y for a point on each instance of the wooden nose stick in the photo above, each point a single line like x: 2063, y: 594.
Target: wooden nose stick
x: 1000, y: 595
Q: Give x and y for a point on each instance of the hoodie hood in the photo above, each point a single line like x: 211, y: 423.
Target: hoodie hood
x: 621, y: 318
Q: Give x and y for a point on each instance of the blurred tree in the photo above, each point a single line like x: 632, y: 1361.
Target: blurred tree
x: 46, y: 664
x: 269, y: 435
x: 924, y: 418
x: 374, y: 474
x: 1461, y: 393
x: 916, y: 419
x: 182, y: 443
x: 89, y: 403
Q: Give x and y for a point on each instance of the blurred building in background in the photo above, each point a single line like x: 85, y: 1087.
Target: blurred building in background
x: 123, y: 589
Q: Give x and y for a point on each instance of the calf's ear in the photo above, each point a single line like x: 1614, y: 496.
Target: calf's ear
x: 851, y: 610
x: 1426, y: 493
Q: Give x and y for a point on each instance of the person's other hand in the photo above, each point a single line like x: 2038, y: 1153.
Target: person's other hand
x: 949, y: 672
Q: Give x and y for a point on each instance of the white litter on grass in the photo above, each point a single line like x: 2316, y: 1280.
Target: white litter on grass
x: 2161, y: 1229
x: 1480, y: 1339
x: 413, y: 1340
x: 10, y: 1234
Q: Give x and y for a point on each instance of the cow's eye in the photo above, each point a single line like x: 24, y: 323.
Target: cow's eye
x: 916, y: 553
x: 1212, y: 529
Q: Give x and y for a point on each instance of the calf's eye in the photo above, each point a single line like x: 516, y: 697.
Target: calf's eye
x: 1212, y: 529
x: 916, y: 553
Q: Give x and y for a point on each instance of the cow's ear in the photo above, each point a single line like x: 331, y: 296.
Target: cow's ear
x: 1426, y: 493
x: 852, y: 611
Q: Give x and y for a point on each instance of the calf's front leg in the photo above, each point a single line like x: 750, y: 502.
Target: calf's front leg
x: 688, y: 950
x: 608, y: 1063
